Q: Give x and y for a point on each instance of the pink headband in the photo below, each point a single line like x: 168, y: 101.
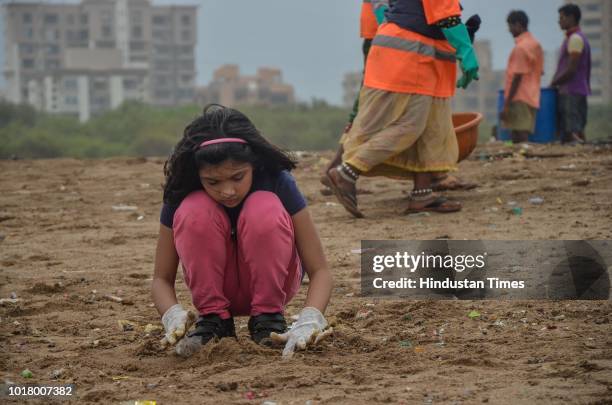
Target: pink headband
x: 222, y: 140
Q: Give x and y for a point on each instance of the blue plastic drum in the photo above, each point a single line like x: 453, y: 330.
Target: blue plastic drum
x: 546, y: 120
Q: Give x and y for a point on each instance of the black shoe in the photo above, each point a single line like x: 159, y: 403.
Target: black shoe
x: 261, y: 326
x: 213, y: 327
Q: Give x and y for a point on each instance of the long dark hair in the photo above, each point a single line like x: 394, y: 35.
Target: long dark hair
x: 182, y: 167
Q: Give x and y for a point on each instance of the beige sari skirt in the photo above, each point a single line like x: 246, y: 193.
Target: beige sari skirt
x: 398, y: 134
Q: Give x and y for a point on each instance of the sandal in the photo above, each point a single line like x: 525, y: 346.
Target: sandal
x: 439, y: 204
x: 451, y: 183
x: 327, y: 191
x: 347, y: 199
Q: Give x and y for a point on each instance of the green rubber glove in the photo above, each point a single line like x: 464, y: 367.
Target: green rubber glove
x: 460, y: 40
x: 380, y: 14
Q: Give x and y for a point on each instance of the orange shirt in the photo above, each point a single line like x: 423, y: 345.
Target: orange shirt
x: 527, y: 59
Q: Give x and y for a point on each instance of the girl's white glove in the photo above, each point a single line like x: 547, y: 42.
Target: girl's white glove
x: 176, y: 322
x: 309, y: 329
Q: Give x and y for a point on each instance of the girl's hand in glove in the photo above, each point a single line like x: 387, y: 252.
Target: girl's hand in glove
x: 309, y: 329
x: 176, y: 322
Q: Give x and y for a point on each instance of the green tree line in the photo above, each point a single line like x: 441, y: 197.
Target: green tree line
x: 137, y: 129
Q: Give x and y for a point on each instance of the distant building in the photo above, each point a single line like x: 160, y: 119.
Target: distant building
x: 597, y: 26
x: 350, y: 88
x: 482, y: 95
x: 229, y: 88
x: 89, y: 57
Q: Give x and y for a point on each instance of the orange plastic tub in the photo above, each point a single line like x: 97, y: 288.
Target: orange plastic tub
x: 466, y: 128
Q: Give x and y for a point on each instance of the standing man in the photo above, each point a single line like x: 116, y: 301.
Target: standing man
x: 523, y: 78
x: 573, y: 76
x: 404, y: 125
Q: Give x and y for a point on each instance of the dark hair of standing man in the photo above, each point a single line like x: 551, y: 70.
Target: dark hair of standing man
x: 571, y: 10
x: 520, y: 17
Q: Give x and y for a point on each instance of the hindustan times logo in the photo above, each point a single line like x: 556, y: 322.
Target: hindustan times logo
x: 412, y: 263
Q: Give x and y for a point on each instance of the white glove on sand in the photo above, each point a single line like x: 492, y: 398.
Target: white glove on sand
x: 309, y: 329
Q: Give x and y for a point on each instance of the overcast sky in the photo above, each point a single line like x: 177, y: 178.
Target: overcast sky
x: 316, y: 42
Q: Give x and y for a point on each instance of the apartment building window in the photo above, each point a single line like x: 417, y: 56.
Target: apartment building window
x: 138, y: 58
x: 52, y: 64
x: 106, y: 16
x: 70, y: 19
x: 160, y: 20
x: 136, y: 16
x: 161, y: 35
x: 28, y: 32
x: 107, y: 31
x: 53, y: 49
x: 84, y: 19
x: 26, y: 18
x: 130, y: 84
x: 50, y: 19
x: 592, y: 7
x: 26, y: 48
x: 187, y: 64
x: 186, y: 19
x: 186, y: 35
x: 137, y: 46
x: 590, y: 22
x: 71, y: 100
x: 70, y: 84
x: 83, y: 35
x: 137, y: 32
x: 27, y: 63
x: 105, y: 44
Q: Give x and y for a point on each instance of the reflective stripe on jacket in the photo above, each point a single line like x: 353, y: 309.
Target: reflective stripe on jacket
x: 403, y: 61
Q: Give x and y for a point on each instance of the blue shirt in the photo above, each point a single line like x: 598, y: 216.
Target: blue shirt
x: 283, y: 185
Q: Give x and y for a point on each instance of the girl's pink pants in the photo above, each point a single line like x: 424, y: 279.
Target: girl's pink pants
x: 257, y: 272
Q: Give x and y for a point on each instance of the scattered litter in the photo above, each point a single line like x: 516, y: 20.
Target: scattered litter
x: 118, y: 300
x: 419, y: 214
x: 140, y: 218
x: 499, y: 323
x: 250, y: 395
x: 356, y: 251
x: 419, y: 349
x: 27, y: 373
x: 55, y: 374
x: 473, y: 314
x: 349, y: 295
x: 4, y: 301
x: 363, y: 314
x: 331, y: 204
x: 126, y: 326
x: 405, y: 343
x: 370, y: 305
x: 559, y: 318
x: 295, y: 317
x: 536, y: 200
x: 120, y: 377
x: 499, y: 201
x: 150, y: 328
x: 512, y: 203
x: 568, y: 167
x: 96, y: 343
x: 13, y: 295
x: 123, y: 207
x: 582, y: 183
x: 517, y: 211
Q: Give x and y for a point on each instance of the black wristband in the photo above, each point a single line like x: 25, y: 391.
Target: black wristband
x: 449, y: 22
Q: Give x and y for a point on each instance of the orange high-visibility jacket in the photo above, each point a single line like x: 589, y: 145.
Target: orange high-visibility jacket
x: 369, y: 25
x: 402, y: 61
